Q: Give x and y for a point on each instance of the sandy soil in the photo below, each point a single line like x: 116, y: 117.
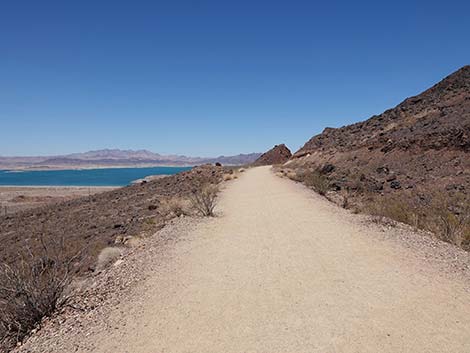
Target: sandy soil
x: 283, y: 270
x: 18, y: 198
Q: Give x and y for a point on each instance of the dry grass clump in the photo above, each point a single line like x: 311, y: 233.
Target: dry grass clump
x: 107, y: 256
x: 396, y: 209
x: 347, y: 198
x: 445, y: 215
x: 292, y: 175
x: 281, y: 172
x: 204, y: 199
x: 229, y: 176
x: 33, y: 288
x: 241, y: 170
x: 317, y: 181
x: 451, y: 219
x: 312, y: 178
x: 174, y: 207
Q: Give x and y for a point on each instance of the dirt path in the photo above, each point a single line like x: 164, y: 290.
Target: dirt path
x: 282, y: 270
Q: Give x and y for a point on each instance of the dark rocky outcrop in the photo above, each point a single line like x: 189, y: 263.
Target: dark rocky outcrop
x: 277, y: 155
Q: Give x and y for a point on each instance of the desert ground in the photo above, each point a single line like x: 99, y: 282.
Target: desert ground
x: 280, y: 269
x: 19, y: 198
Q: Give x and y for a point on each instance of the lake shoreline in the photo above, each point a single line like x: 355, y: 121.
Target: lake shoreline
x: 19, y: 198
x: 102, y: 177
x: 20, y: 169
x: 60, y: 187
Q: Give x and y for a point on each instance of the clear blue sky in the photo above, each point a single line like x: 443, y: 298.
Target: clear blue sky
x: 212, y: 77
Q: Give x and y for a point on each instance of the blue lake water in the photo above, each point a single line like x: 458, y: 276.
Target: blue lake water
x: 83, y: 177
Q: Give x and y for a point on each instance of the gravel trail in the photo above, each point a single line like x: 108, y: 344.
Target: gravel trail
x: 283, y: 270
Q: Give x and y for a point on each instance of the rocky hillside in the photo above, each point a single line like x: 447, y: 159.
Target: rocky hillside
x: 277, y: 155
x: 410, y: 164
x: 422, y: 142
x: 101, y: 220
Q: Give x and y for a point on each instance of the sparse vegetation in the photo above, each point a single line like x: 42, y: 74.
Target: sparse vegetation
x: 445, y: 215
x: 317, y: 181
x: 204, y: 199
x: 312, y: 178
x: 174, y: 207
x: 35, y: 275
x: 346, y: 199
x: 227, y: 177
x: 451, y: 217
x: 107, y: 256
x: 33, y: 288
x: 295, y: 175
x: 232, y: 174
x: 383, y: 208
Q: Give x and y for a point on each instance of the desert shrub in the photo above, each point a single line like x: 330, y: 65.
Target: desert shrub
x: 107, y: 256
x: 295, y: 175
x: 347, y: 198
x: 33, y: 288
x: 227, y: 177
x: 204, y: 199
x: 317, y: 181
x: 292, y: 175
x: 445, y: 215
x: 150, y: 222
x: 391, y: 208
x: 174, y: 207
x: 450, y: 218
x: 241, y: 170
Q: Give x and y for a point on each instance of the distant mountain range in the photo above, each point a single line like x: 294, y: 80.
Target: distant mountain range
x: 118, y: 158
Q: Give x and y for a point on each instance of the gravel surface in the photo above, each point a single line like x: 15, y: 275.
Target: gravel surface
x: 280, y: 270
x: 99, y: 295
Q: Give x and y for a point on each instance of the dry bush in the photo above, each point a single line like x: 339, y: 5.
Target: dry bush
x: 347, y: 198
x: 204, y: 199
x: 398, y: 210
x: 232, y: 174
x: 150, y: 222
x: 279, y: 171
x: 450, y: 218
x: 292, y: 175
x: 32, y: 289
x: 174, y: 207
x: 227, y: 177
x: 445, y: 215
x: 312, y: 178
x: 107, y: 256
x: 317, y: 181
x: 241, y: 170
